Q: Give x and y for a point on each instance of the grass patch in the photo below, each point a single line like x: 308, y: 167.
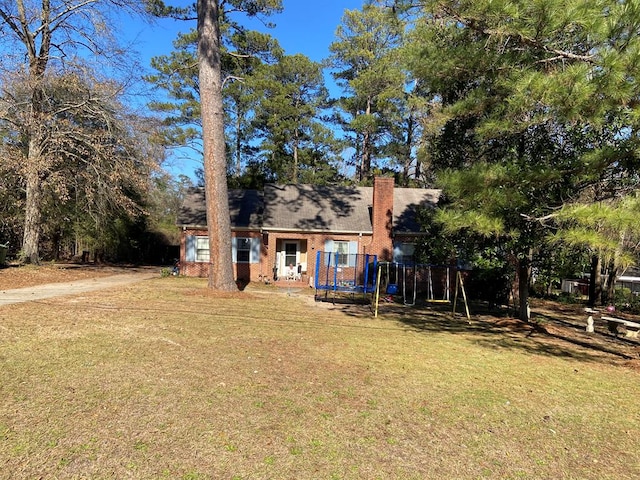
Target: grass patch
x: 164, y: 379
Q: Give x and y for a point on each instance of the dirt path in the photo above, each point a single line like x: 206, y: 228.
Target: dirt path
x: 49, y: 290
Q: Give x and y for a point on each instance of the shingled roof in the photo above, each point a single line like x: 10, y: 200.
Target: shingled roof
x: 245, y: 209
x: 406, y: 202
x: 310, y: 208
x: 317, y: 208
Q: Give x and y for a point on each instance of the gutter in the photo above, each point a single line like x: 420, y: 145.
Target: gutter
x: 327, y: 232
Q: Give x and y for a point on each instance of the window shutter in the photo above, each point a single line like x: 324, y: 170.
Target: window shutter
x: 329, y: 254
x: 190, y: 247
x: 353, y: 250
x: 234, y: 250
x: 397, y: 253
x: 255, y: 250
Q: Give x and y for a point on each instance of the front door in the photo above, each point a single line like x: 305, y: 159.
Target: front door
x: 290, y: 258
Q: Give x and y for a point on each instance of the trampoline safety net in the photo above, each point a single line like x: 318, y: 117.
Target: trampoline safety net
x: 341, y: 272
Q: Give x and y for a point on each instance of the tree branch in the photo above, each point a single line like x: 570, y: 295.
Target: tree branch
x: 476, y: 25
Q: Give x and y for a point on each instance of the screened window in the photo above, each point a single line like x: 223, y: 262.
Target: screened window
x: 202, y: 249
x: 342, y: 251
x: 243, y: 250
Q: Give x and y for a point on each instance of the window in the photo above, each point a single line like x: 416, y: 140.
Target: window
x: 290, y: 254
x: 342, y: 251
x: 404, y: 253
x: 202, y: 249
x: 243, y: 250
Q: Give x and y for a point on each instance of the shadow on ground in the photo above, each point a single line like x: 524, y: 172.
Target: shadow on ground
x: 555, y: 330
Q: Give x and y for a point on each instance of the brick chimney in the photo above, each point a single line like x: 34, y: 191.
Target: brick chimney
x: 382, y: 218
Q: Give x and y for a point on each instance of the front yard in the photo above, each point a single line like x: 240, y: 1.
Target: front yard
x: 164, y: 379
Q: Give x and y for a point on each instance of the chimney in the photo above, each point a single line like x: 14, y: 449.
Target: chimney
x: 382, y: 218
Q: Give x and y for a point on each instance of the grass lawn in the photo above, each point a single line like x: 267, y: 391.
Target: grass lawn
x: 164, y: 379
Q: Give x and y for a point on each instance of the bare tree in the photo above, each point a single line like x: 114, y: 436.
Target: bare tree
x: 48, y: 37
x: 98, y: 162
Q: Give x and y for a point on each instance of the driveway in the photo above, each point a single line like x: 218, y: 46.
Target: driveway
x: 50, y: 290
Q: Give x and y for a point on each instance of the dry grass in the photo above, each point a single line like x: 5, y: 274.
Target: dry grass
x: 16, y: 276
x: 164, y: 379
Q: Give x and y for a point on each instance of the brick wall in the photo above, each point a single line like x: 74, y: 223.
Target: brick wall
x: 382, y: 219
x: 311, y: 243
x: 380, y: 244
x: 247, y: 272
x: 262, y: 271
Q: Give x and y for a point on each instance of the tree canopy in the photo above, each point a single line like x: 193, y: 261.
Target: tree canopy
x: 534, y: 108
x: 59, y: 110
x: 525, y: 114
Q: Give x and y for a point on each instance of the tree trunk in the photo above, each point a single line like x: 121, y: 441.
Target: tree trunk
x: 33, y: 204
x: 595, y: 282
x: 408, y: 149
x: 238, y: 171
x: 215, y: 164
x: 365, y: 163
x: 33, y: 216
x: 524, y: 274
x: 294, y: 173
x: 609, y: 297
x: 614, y: 269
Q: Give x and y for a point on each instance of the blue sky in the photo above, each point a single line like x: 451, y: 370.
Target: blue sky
x: 305, y: 27
x: 300, y: 28
x: 308, y: 27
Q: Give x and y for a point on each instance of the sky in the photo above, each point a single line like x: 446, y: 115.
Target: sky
x: 305, y: 26
x: 308, y: 27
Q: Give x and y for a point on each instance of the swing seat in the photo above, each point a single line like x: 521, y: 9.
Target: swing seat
x: 392, y: 289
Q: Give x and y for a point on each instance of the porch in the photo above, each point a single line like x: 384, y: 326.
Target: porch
x: 305, y: 282
x: 291, y: 266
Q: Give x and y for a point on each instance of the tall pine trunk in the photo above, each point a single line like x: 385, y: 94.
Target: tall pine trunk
x: 215, y: 162
x: 294, y: 172
x: 365, y: 162
x: 238, y: 169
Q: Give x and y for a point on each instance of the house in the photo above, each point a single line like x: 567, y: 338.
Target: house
x: 276, y: 232
x: 629, y: 279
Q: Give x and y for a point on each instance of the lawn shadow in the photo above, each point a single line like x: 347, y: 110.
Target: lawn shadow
x: 557, y: 335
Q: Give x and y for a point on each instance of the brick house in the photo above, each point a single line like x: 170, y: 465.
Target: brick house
x: 276, y: 232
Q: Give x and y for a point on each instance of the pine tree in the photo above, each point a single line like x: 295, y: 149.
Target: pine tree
x: 291, y: 96
x: 365, y: 63
x: 523, y: 94
x: 210, y: 78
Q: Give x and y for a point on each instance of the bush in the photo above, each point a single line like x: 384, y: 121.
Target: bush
x: 626, y: 300
x: 492, y: 285
x: 569, y: 298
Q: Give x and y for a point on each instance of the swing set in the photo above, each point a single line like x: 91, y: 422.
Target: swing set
x: 430, y: 283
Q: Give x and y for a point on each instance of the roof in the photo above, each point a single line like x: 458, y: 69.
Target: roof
x: 245, y: 209
x: 405, y: 205
x: 310, y: 208
x: 317, y: 208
